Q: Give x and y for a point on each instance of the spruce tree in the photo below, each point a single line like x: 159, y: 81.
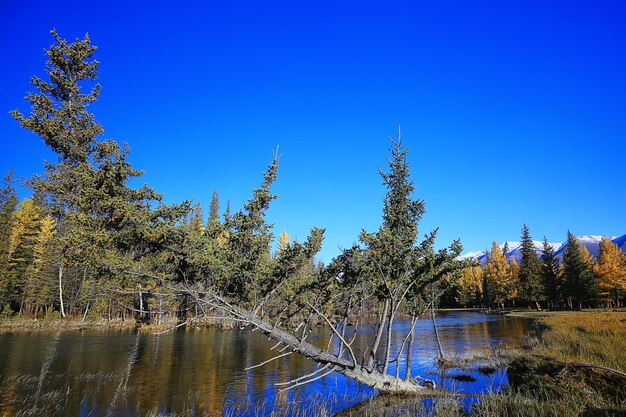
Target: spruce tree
x: 506, y: 250
x: 531, y: 287
x: 249, y: 241
x: 8, y: 203
x: 214, y: 228
x: 550, y: 275
x: 578, y: 283
x: 104, y: 226
x: 513, y: 289
x: 214, y: 208
x: 399, y: 268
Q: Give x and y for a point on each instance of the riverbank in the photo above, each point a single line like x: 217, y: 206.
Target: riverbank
x: 12, y: 325
x: 17, y: 324
x: 573, y: 365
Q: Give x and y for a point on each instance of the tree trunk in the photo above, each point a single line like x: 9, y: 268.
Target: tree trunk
x: 407, y: 372
x: 379, y: 334
x: 392, y: 316
x: 371, y: 377
x: 61, y: 290
x: 432, y: 312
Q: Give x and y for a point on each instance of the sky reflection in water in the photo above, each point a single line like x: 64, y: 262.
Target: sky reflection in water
x: 128, y: 374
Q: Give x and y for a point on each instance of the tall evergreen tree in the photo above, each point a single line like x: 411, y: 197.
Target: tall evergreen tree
x: 249, y: 240
x: 506, y: 250
x: 8, y: 203
x: 514, y: 285
x: 578, y: 283
x: 531, y: 287
x: 398, y: 267
x: 214, y: 228
x: 550, y: 275
x: 103, y: 225
x: 214, y: 208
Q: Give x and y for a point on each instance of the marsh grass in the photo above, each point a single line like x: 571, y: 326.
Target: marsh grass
x: 592, y: 337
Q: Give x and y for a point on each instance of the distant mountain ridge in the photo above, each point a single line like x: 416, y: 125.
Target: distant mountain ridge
x: 591, y: 242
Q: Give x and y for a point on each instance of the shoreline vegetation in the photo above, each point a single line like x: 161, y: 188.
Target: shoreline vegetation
x: 573, y: 365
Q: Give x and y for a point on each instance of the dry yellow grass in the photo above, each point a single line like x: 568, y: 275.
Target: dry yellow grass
x: 593, y: 337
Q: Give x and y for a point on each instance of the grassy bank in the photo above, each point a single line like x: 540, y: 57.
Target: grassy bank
x: 19, y: 324
x: 57, y: 324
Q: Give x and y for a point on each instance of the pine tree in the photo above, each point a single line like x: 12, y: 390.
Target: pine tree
x: 196, y: 224
x: 531, y: 287
x: 400, y: 270
x: 8, y: 203
x: 578, y: 283
x: 506, y: 250
x: 391, y: 246
x: 550, y: 275
x: 249, y: 240
x: 214, y: 208
x: 514, y: 285
x: 214, y: 227
x: 610, y: 272
x: 103, y: 224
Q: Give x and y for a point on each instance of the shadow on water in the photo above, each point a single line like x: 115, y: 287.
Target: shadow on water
x: 203, y: 372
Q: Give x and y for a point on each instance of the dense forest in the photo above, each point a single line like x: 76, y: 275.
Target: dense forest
x: 88, y: 245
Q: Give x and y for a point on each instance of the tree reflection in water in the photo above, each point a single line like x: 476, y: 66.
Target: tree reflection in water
x: 130, y: 373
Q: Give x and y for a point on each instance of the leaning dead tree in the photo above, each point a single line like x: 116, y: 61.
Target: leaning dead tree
x: 389, y: 275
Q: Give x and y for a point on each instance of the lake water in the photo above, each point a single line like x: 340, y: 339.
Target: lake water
x: 127, y: 373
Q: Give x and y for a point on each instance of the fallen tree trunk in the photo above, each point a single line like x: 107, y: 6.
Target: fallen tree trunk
x: 330, y: 361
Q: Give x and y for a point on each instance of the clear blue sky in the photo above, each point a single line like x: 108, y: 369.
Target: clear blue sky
x: 515, y: 112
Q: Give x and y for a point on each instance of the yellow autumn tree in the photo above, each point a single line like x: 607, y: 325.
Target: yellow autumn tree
x: 470, y: 286
x: 610, y: 273
x: 40, y: 282
x: 496, y: 277
x: 22, y: 241
x: 283, y: 241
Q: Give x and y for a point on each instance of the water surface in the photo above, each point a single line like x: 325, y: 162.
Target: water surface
x: 127, y: 373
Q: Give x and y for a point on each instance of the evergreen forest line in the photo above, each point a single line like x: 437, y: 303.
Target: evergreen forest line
x: 542, y: 280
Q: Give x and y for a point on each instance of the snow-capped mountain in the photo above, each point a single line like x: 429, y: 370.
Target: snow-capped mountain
x: 591, y: 242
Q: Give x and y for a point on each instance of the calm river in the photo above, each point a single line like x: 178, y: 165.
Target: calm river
x: 126, y: 373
